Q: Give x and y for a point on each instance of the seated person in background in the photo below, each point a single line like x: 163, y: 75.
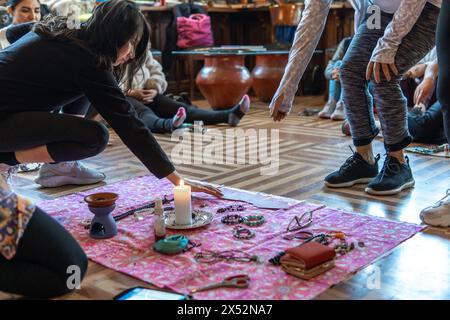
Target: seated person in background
x: 425, y: 120
x: 414, y: 76
x: 162, y: 114
x: 35, y: 250
x: 334, y: 108
x: 21, y: 11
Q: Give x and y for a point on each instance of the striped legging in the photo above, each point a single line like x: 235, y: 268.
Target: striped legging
x: 390, y: 101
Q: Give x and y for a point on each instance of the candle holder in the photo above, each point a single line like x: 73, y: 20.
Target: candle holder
x: 102, y: 204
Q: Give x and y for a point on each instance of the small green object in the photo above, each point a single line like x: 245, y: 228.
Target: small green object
x: 171, y: 245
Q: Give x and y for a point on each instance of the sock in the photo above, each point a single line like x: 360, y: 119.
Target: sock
x: 239, y: 111
x: 8, y: 158
x: 369, y: 158
x: 179, y: 118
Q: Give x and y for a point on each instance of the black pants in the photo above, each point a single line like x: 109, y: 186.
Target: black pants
x: 40, y: 267
x: 158, y: 114
x: 78, y: 107
x: 67, y: 137
x: 427, y: 127
x: 443, y: 52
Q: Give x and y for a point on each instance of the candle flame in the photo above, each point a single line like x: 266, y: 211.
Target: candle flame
x: 181, y: 183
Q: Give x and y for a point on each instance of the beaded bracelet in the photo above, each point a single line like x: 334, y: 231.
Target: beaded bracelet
x: 232, y: 219
x: 253, y: 220
x: 243, y: 233
x: 231, y: 208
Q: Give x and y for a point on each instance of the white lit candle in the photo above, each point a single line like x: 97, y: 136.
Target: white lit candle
x: 183, y: 209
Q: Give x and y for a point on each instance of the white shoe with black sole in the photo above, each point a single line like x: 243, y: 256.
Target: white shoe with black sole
x: 393, y: 178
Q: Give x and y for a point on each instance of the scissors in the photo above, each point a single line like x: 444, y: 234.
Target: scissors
x: 239, y: 281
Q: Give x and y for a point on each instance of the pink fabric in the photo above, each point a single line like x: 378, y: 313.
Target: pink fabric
x: 130, y: 252
x: 194, y: 31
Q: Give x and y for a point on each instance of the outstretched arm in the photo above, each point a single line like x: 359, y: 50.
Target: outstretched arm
x: 306, y: 38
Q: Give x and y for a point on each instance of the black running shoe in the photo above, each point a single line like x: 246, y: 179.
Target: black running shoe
x: 392, y: 179
x: 354, y: 170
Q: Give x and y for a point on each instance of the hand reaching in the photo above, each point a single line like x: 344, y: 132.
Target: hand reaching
x: 276, y: 114
x: 198, y: 186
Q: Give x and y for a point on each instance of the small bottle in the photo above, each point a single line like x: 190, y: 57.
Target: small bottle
x: 159, y: 225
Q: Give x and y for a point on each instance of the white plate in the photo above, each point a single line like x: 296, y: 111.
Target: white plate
x: 200, y: 219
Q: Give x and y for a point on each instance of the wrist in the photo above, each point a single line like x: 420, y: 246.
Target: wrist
x: 175, y: 178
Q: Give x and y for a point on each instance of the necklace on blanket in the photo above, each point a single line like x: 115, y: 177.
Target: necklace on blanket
x: 209, y: 256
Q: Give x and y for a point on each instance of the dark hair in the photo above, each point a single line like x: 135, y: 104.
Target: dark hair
x: 14, y: 3
x: 111, y: 26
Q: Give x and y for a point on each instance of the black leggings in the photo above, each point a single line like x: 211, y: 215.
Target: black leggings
x: 78, y: 107
x: 40, y: 267
x: 157, y: 115
x: 443, y: 52
x: 67, y: 137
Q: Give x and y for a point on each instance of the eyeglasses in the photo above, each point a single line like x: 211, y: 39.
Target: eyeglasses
x: 302, y: 222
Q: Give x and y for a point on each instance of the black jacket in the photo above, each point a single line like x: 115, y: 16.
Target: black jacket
x: 38, y: 74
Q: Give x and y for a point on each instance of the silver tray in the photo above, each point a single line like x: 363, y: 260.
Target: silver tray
x: 200, y: 219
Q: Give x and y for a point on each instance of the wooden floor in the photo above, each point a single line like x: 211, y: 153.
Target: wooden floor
x: 309, y: 149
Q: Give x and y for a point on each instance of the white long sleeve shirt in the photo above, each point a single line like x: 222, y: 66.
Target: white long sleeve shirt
x: 310, y: 28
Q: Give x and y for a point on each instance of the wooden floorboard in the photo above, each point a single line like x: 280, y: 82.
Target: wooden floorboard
x: 309, y: 149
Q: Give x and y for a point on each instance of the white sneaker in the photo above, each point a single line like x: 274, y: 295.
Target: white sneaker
x: 438, y: 215
x: 327, y: 110
x: 339, y: 112
x: 64, y: 173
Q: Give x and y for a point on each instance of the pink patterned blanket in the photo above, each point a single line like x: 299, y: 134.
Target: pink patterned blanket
x: 131, y: 252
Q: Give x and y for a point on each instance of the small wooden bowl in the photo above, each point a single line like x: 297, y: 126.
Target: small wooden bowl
x: 101, y: 199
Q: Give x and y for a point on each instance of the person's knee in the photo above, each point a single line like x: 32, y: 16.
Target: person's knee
x: 72, y: 272
x: 99, y: 135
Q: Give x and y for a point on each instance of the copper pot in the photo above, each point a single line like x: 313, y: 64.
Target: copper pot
x: 286, y: 14
x: 223, y: 80
x: 102, y: 199
x: 267, y: 74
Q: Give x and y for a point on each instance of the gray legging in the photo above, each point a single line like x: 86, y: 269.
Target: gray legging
x: 40, y: 267
x: 390, y: 101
